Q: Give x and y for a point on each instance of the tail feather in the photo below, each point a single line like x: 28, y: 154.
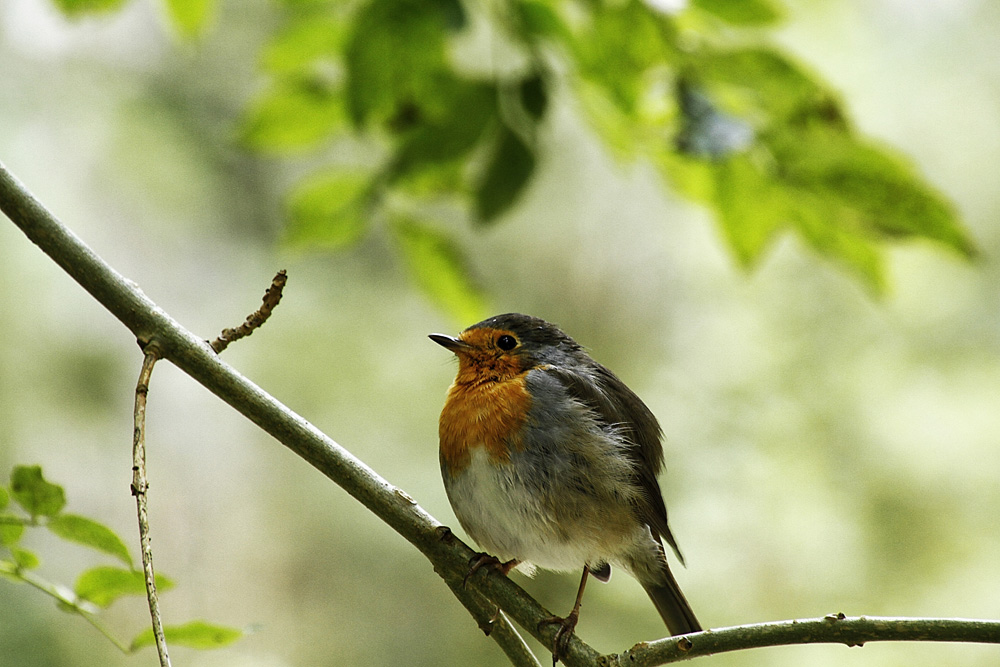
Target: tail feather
x: 672, y: 605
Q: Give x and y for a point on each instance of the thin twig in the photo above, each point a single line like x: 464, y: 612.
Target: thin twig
x: 255, y: 319
x: 391, y: 504
x: 139, y: 488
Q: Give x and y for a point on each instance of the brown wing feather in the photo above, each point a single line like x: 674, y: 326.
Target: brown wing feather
x: 618, y: 406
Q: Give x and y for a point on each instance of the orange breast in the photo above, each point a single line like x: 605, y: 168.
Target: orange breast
x: 488, y: 414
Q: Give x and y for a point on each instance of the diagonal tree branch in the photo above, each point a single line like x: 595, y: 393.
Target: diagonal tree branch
x: 194, y: 356
x: 447, y: 553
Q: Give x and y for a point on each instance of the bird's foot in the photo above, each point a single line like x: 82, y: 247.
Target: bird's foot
x: 483, y: 559
x: 560, y: 643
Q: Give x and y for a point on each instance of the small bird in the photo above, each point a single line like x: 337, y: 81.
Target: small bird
x: 549, y: 459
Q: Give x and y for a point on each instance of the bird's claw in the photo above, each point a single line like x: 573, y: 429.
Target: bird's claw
x: 560, y: 643
x: 483, y: 559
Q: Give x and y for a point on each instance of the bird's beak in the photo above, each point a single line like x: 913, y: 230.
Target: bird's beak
x: 456, y: 345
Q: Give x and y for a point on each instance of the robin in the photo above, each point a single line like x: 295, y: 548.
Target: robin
x: 549, y: 459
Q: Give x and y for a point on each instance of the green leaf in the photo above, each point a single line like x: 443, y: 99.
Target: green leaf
x: 292, y: 116
x: 539, y: 19
x: 80, y: 7
x: 758, y: 81
x: 195, y: 634
x: 877, y: 190
x: 534, y: 95
x: 90, y: 533
x: 10, y: 532
x: 190, y: 17
x: 448, y: 131
x: 330, y: 209
x: 34, y: 494
x: 751, y: 209
x: 623, y: 42
x: 740, y: 12
x: 440, y: 269
x: 304, y: 41
x: 395, y: 55
x: 26, y: 560
x: 103, y: 585
x: 4, y: 498
x: 509, y: 170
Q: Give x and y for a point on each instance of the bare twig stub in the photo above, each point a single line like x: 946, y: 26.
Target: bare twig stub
x: 255, y: 319
x: 139, y: 487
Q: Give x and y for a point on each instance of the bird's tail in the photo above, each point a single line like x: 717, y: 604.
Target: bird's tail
x: 670, y: 602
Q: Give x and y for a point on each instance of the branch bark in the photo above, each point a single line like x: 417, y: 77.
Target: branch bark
x: 448, y: 554
x: 148, y: 322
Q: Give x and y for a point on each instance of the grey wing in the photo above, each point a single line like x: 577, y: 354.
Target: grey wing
x: 618, y: 406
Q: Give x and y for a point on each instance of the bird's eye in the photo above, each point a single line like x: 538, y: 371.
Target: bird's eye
x: 506, y: 342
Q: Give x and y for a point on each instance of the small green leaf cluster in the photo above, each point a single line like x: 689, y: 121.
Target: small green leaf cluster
x: 730, y: 120
x: 402, y: 115
x: 30, y: 502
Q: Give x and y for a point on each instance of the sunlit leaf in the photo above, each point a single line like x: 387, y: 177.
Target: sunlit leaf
x: 877, y: 188
x: 329, y: 209
x: 508, y: 172
x: 196, y: 634
x: 79, y: 7
x: 440, y: 269
x: 190, y: 17
x: 104, y: 585
x: 26, y: 560
x: 90, y: 533
x: 540, y: 19
x: 395, y: 54
x: 312, y: 37
x: 623, y: 41
x: 751, y: 207
x: 10, y: 532
x: 293, y: 115
x: 740, y: 12
x: 767, y: 81
x: 34, y: 494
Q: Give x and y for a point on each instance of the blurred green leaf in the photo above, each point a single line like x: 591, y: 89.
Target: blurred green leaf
x: 190, y: 17
x: 740, y: 12
x: 103, y: 585
x: 293, y: 115
x: 26, y: 560
x: 4, y: 498
x: 196, y: 634
x: 90, y: 533
x: 534, y: 95
x: 304, y: 40
x: 540, y: 19
x: 440, y: 269
x: 509, y: 170
x: 11, y: 532
x: 330, y: 209
x: 751, y: 207
x: 623, y: 42
x: 760, y: 80
x: 79, y: 7
x: 447, y: 131
x: 34, y: 494
x: 395, y: 55
x: 877, y: 190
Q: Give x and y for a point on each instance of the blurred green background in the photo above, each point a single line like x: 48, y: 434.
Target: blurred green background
x: 826, y: 451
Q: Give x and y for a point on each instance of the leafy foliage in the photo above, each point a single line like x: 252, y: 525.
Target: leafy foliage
x: 41, y: 503
x: 730, y: 120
